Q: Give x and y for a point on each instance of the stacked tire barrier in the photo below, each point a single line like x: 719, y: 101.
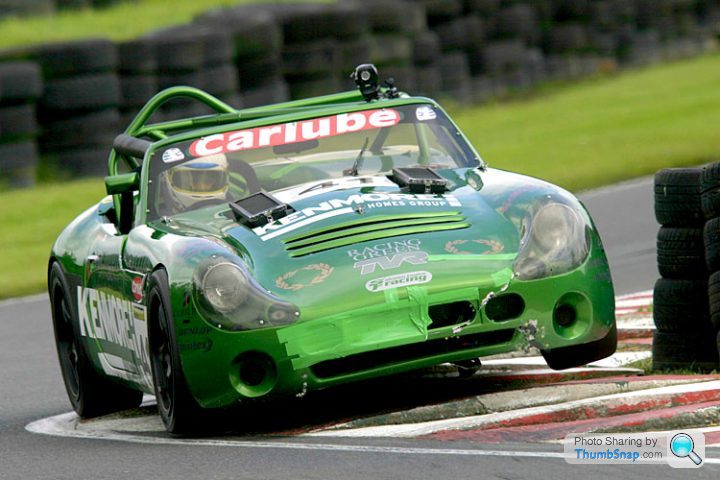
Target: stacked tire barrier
x: 20, y: 87
x: 684, y: 337
x: 710, y: 202
x: 250, y: 55
x: 79, y: 109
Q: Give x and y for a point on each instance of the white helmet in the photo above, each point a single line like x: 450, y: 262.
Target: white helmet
x: 204, y: 178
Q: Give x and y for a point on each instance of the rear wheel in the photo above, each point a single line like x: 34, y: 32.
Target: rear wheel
x: 178, y: 409
x: 90, y: 393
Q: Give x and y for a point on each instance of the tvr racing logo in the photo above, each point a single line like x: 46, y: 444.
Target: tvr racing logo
x: 388, y: 256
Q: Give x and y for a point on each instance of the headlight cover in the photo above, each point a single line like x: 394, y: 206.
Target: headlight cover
x: 555, y: 240
x: 230, y: 299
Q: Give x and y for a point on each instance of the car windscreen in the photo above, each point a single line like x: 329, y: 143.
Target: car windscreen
x: 227, y: 166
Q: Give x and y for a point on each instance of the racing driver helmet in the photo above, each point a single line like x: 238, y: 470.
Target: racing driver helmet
x: 199, y: 180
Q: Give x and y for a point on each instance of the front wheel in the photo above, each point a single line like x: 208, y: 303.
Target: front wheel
x: 576, y: 355
x: 178, y: 409
x: 90, y: 394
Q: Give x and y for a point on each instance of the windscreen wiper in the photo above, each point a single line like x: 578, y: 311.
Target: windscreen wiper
x: 353, y: 171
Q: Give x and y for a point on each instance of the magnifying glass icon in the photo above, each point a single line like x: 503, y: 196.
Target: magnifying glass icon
x: 682, y: 446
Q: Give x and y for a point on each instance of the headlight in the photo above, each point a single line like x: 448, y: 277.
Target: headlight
x: 555, y: 241
x: 225, y: 287
x: 230, y: 299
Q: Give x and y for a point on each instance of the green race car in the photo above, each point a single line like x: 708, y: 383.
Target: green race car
x: 281, y: 249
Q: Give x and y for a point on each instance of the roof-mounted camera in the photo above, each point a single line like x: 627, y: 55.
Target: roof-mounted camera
x: 367, y: 80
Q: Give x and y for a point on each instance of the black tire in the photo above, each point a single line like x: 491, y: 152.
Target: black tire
x: 217, y: 44
x: 83, y: 93
x: 439, y: 11
x: 485, y: 8
x: 178, y: 53
x: 686, y: 350
x: 310, y: 59
x: 518, y: 21
x: 220, y: 80
x: 396, y: 17
x: 680, y: 253
x: 18, y: 164
x: 90, y: 393
x: 710, y: 190
x: 711, y: 238
x: 677, y: 197
x: 567, y: 37
x: 136, y: 90
x: 454, y: 71
x: 17, y: 122
x: 137, y: 56
x: 426, y: 48
x: 467, y: 33
x: 178, y: 409
x: 498, y: 58
x: 76, y: 131
x: 391, y: 50
x: 86, y: 161
x: 303, y: 22
x: 404, y: 77
x: 428, y: 81
x: 70, y: 59
x: 26, y: 7
x: 20, y: 82
x: 256, y: 32
x: 714, y: 300
x: 353, y: 52
x: 274, y: 92
x: 307, y: 87
x: 256, y: 72
x: 576, y: 355
x: 681, y: 305
x: 192, y: 78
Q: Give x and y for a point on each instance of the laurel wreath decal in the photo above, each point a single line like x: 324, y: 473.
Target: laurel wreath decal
x: 323, y: 270
x: 495, y: 246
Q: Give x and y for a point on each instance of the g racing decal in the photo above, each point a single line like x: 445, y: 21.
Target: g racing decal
x: 400, y: 280
x: 106, y: 317
x: 294, y: 132
x: 388, y: 255
x: 336, y: 206
x: 323, y: 272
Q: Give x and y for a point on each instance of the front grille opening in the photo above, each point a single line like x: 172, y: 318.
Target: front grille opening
x: 415, y: 351
x: 505, y: 307
x: 450, y: 314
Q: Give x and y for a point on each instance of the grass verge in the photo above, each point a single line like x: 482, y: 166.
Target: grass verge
x: 120, y: 22
x: 579, y: 136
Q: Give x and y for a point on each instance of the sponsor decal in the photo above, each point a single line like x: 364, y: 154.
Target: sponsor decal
x: 172, y: 155
x: 137, y: 287
x: 493, y: 246
x: 337, y: 206
x: 400, y: 280
x: 385, y: 249
x: 369, y: 265
x: 197, y: 345
x: 424, y: 114
x: 107, y: 317
x: 294, y: 132
x: 324, y: 271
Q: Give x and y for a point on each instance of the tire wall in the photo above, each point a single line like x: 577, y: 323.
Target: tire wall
x: 686, y: 299
x: 79, y: 95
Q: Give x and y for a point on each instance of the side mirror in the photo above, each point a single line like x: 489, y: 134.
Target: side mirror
x: 124, y: 185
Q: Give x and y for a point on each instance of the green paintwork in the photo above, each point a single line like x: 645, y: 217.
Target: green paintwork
x: 471, y: 250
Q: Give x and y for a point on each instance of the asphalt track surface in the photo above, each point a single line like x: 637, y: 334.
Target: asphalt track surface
x: 31, y: 389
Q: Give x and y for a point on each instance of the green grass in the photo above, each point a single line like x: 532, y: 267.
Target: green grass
x: 580, y: 136
x: 121, y: 22
x: 31, y: 219
x: 604, y: 130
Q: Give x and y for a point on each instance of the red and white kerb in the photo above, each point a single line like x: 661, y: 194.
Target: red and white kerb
x: 294, y: 132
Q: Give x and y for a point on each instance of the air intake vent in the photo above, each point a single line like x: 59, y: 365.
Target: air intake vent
x: 372, y: 228
x: 406, y: 353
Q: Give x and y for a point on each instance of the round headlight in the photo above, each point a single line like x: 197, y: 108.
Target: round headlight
x: 554, y: 225
x: 225, y: 287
